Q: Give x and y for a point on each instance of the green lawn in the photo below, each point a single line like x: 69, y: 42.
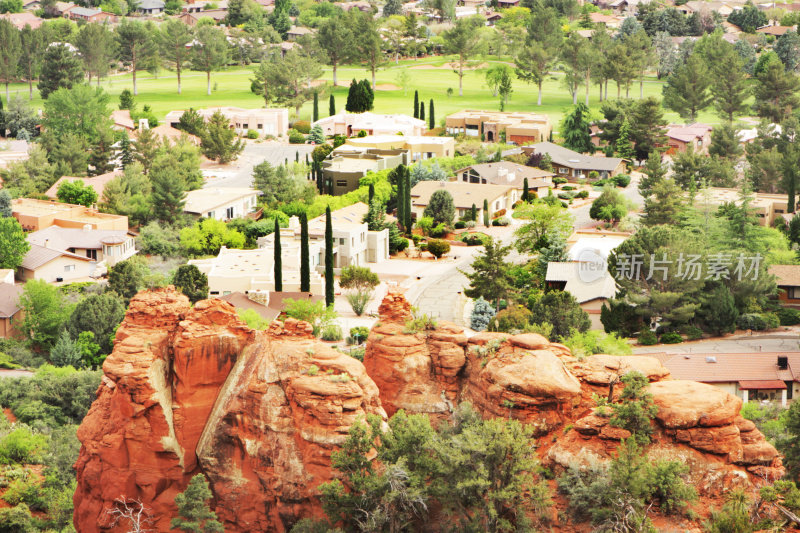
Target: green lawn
x: 233, y: 88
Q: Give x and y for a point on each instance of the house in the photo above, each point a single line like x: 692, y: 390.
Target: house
x: 592, y: 244
x: 504, y: 4
x: 55, y: 266
x: 9, y: 304
x: 344, y: 169
x: 122, y: 120
x: 90, y: 15
x: 168, y: 133
x: 295, y: 32
x: 465, y: 195
x: 35, y: 215
x: 273, y: 121
x: 350, y: 124
x: 150, y: 7
x: 63, y: 8
x: 217, y: 15
x: 697, y: 6
x: 190, y: 18
x: 771, y: 377
x: 108, y: 247
x: 572, y: 165
x: 361, y: 5
x: 493, y: 17
x: 508, y: 173
x: 355, y: 244
x: 766, y: 206
x: 517, y: 127
x: 13, y: 151
x: 98, y: 183
x: 269, y: 305
x: 590, y: 284
x: 609, y: 21
x: 20, y: 20
x: 680, y: 138
x: 419, y: 147
x: 788, y: 279
x: 777, y: 31
x: 221, y: 203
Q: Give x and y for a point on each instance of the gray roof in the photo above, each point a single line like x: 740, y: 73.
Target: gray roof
x: 38, y: 256
x: 583, y: 291
x: 490, y: 171
x: 85, y: 11
x: 567, y: 158
x: 65, y: 238
x: 9, y: 299
x: 150, y: 4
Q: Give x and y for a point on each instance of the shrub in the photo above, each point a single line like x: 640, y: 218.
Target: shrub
x: 438, y: 231
x: 693, y: 333
x: 482, y: 315
x: 22, y: 446
x: 566, y: 195
x: 332, y: 332
x: 752, y: 321
x: 419, y: 323
x: 303, y: 126
x: 636, y: 409
x: 592, y: 342
x: 460, y: 224
x: 772, y: 319
x: 559, y: 181
x: 514, y: 318
x: 647, y: 337
x: 295, y: 137
x: 568, y: 188
x: 669, y: 487
x: 358, y: 334
x: 671, y: 337
x: 582, y: 194
x: 7, y: 362
x: 502, y: 221
x: 621, y: 180
x: 499, y: 213
x: 315, y: 313
x: 472, y: 239
x: 788, y: 317
x: 438, y: 247
x: 252, y: 134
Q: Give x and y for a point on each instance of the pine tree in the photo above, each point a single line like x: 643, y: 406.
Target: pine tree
x: 315, y: 115
x: 305, y: 266
x: 473, y: 215
x: 407, y: 208
x: 2, y: 120
x: 126, y: 152
x: 5, y: 204
x: 194, y: 514
x: 624, y: 147
x: 431, y: 118
x: 416, y: 104
x: 401, y: 200
x: 525, y: 192
x: 320, y: 179
x: 422, y: 111
x: 486, y: 213
x: 277, y: 261
x: 328, y: 258
x: 371, y: 194
x: 331, y: 105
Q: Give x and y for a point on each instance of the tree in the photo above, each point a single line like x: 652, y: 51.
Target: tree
x: 135, y: 46
x: 407, y: 201
x: 331, y: 106
x: 648, y: 127
x: 285, y: 79
x: 80, y: 110
x: 127, y: 277
x: 190, y: 281
x: 100, y: 314
x: 482, y: 315
x: 336, y: 39
x: 790, y: 447
x: 490, y: 278
x: 207, y: 236
x: 416, y: 104
x: 718, y: 310
x: 96, y: 46
x: 360, y: 97
x: 538, y: 55
x: 367, y: 46
x: 66, y: 351
x: 545, y: 223
x: 575, y: 129
x: 635, y: 410
x: 280, y: 186
x: 730, y: 89
x: 431, y: 119
x: 687, y: 89
x: 168, y: 194
x: 194, y: 513
x: 316, y: 136
x: 725, y: 142
x: 787, y: 47
x: 464, y: 41
x: 562, y: 310
x: 486, y: 213
x: 664, y: 204
x: 305, y: 265
x: 329, y: 281
x: 32, y: 45
x: 440, y: 208
x: 209, y: 52
x: 277, y: 259
x: 219, y: 141
x: 13, y: 244
x: 610, y: 206
x: 360, y: 282
x: 749, y: 18
x: 776, y: 93
x: 422, y: 111
x: 5, y: 204
x: 173, y: 41
x: 10, y: 52
x: 76, y: 192
x: 392, y: 7
x: 315, y: 112
x: 60, y: 68
x: 654, y: 172
x: 45, y: 312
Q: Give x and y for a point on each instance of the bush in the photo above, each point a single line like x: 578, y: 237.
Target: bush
x: 303, y: 126
x: 693, y: 333
x: 438, y: 247
x: 499, y: 213
x: 752, y: 321
x: 671, y: 337
x: 514, y: 318
x: 22, y: 446
x: 295, y: 137
x: 621, y: 180
x: 566, y: 195
x: 582, y: 194
x: 252, y: 134
x: 439, y: 231
x: 502, y: 221
x: 593, y: 341
x: 647, y: 338
x: 559, y: 181
x: 358, y: 334
x: 568, y: 188
x: 332, y: 332
x: 788, y: 317
x: 772, y: 319
x: 482, y: 315
x: 473, y: 239
x: 460, y: 225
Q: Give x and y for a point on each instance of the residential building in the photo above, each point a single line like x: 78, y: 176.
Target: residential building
x: 13, y: 151
x: 504, y: 4
x: 98, y: 183
x: 573, y: 166
x: 122, y: 120
x: 355, y: 244
x: 350, y: 124
x: 295, y: 32
x: 766, y: 206
x: 508, y: 173
x: 150, y: 7
x: 610, y: 21
x: 589, y: 282
x: 681, y: 138
x: 101, y: 246
x: 88, y: 14
x: 20, y: 20
x: 167, y: 133
x: 775, y: 31
x: 419, y: 146
x: 55, y: 266
x: 272, y: 121
x: 35, y: 215
x: 221, y: 203
x: 586, y: 245
x: 465, y: 195
x: 344, y: 169
x: 269, y: 305
x: 772, y: 377
x: 10, y: 310
x: 62, y: 8
x: 788, y: 279
x: 518, y: 127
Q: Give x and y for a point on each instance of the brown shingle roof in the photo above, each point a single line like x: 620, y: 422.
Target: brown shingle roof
x: 787, y: 275
x: 729, y: 367
x: 464, y: 194
x: 9, y: 299
x: 39, y: 255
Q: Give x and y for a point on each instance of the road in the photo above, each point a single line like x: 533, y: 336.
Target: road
x: 240, y: 172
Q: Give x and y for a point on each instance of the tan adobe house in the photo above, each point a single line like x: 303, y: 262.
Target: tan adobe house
x: 272, y: 121
x: 344, y: 168
x: 35, y: 215
x: 102, y: 246
x: 419, y: 147
x: 788, y: 279
x: 221, y: 203
x: 465, y: 195
x: 518, y: 127
x: 508, y: 173
x: 591, y: 292
x: 351, y: 124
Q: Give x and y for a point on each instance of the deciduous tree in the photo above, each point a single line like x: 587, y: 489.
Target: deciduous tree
x: 135, y: 46
x: 13, y: 244
x: 96, y: 45
x: 464, y: 41
x: 76, y: 192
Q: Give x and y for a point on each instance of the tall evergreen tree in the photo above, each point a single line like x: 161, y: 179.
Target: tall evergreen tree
x: 315, y: 114
x: 431, y: 117
x: 624, y: 148
x: 401, y: 200
x: 473, y: 215
x: 371, y: 193
x: 10, y: 52
x: 277, y: 260
x: 525, y: 193
x: 575, y: 129
x: 422, y: 111
x: 486, y: 213
x: 416, y: 104
x: 407, y: 208
x: 328, y: 258
x: 331, y: 105
x: 305, y: 266
x: 687, y: 89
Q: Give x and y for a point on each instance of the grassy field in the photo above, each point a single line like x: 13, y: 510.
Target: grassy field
x: 232, y: 87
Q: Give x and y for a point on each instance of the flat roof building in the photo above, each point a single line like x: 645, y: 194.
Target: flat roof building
x: 350, y: 124
x: 465, y: 195
x: 221, y: 203
x: 766, y: 206
x: 35, y: 215
x: 344, y: 169
x: 419, y: 146
x: 518, y: 127
x: 266, y: 121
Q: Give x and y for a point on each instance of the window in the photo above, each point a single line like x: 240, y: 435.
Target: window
x: 341, y: 183
x: 261, y: 126
x: 793, y: 293
x: 341, y: 241
x: 562, y: 170
x: 69, y: 268
x: 229, y: 213
x: 244, y: 126
x: 210, y: 214
x: 91, y: 254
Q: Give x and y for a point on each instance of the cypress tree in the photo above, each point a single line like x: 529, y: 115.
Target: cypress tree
x: 401, y: 200
x: 306, y: 158
x: 320, y: 179
x: 525, y: 190
x: 305, y: 267
x: 407, y: 208
x: 315, y: 114
x: 416, y: 104
x: 2, y: 120
x: 352, y: 96
x: 328, y: 258
x: 431, y: 117
x: 277, y: 261
x: 331, y: 106
x: 371, y: 193
x: 473, y: 215
x: 296, y: 156
x: 486, y: 213
x: 422, y: 111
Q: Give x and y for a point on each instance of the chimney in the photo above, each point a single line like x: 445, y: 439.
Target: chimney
x: 144, y: 124
x: 783, y: 362
x: 511, y: 177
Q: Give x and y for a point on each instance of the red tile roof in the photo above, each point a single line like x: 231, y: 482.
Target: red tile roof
x: 762, y: 384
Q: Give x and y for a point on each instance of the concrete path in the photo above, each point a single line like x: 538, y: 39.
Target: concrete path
x: 8, y: 373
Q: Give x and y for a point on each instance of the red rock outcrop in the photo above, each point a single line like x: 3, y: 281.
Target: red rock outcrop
x: 190, y: 390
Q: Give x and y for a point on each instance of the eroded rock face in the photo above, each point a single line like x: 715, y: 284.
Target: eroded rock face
x: 189, y: 390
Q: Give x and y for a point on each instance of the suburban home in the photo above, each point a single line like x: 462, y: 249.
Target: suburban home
x: 55, y: 266
x: 766, y: 377
x: 35, y: 215
x: 98, y: 183
x: 13, y: 151
x: 121, y: 120
x: 88, y: 14
x: 361, y: 5
x: 492, y: 17
x: 344, y: 169
x: 9, y: 303
x: 355, y: 244
x: 788, y: 279
x: 62, y: 8
x: 504, y: 4
x: 587, y: 245
x: 419, y: 146
x: 20, y: 20
x: 695, y: 136
x: 272, y: 121
x: 572, y: 165
x: 696, y: 6
x: 102, y: 246
x: 221, y: 203
x: 609, y: 21
x: 295, y: 32
x: 350, y: 124
x: 776, y: 31
x: 269, y: 305
x: 168, y: 133
x: 766, y: 206
x: 190, y: 18
x: 590, y: 283
x: 150, y: 7
x: 465, y: 195
x: 507, y: 173
x: 518, y: 127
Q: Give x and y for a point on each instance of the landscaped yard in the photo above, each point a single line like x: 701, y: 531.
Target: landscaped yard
x: 428, y: 76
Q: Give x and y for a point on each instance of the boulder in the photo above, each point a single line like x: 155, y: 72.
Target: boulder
x: 687, y: 404
x: 601, y: 369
